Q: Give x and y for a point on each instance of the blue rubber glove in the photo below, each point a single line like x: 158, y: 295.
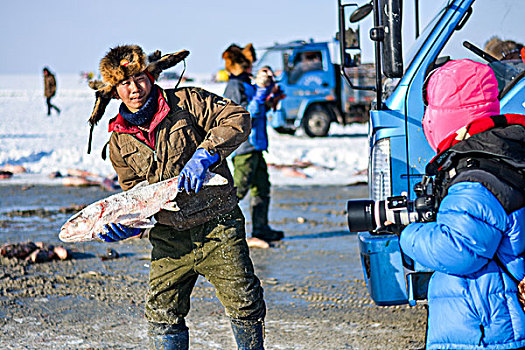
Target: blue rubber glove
x: 118, y: 232
x: 262, y: 93
x: 191, y: 178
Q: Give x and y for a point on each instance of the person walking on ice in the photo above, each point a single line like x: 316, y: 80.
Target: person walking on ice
x: 50, y: 89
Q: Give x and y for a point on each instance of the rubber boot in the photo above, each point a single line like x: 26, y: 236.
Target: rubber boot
x: 259, y: 212
x: 176, y: 338
x: 248, y: 334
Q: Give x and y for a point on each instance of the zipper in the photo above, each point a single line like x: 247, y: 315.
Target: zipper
x: 154, y: 150
x: 155, y: 155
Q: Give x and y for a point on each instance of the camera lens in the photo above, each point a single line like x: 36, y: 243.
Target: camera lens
x: 360, y: 215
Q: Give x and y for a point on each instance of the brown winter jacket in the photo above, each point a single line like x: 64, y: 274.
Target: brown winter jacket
x: 50, y: 85
x: 196, y: 119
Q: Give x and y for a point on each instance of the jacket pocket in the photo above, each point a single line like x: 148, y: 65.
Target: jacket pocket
x: 183, y: 136
x: 136, y: 158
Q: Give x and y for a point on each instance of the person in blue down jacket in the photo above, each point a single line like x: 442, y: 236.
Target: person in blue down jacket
x: 476, y: 245
x: 250, y: 168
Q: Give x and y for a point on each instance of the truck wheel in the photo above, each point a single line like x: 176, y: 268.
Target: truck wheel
x: 316, y: 122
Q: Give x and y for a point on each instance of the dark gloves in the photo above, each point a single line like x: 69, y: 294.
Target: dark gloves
x: 118, y: 232
x: 276, y: 95
x: 191, y: 178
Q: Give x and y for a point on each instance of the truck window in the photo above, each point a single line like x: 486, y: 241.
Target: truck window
x: 416, y: 46
x: 494, y: 28
x: 304, y: 62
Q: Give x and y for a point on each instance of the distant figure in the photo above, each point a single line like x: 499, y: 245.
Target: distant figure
x: 250, y: 168
x: 504, y: 50
x: 50, y: 89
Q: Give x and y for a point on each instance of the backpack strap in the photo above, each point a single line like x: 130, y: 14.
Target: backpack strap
x: 503, y: 171
x: 503, y: 180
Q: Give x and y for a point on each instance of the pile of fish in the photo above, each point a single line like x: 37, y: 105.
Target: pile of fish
x: 34, y: 252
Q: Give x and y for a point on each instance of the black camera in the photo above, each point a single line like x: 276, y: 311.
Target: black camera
x: 369, y: 215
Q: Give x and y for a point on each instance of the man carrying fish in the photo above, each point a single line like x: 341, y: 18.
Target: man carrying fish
x: 159, y: 134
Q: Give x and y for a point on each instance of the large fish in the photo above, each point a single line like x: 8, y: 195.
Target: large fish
x: 133, y: 208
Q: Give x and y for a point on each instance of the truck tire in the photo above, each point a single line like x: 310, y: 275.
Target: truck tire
x: 316, y: 121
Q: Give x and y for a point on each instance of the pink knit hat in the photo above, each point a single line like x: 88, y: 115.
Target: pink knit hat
x: 458, y: 93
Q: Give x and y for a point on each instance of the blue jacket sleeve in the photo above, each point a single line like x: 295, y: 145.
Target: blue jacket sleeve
x: 257, y: 106
x: 256, y: 109
x: 466, y: 234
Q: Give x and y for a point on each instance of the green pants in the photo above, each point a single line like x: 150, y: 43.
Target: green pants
x: 216, y: 250
x: 251, y: 174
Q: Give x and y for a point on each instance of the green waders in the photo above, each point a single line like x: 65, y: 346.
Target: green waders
x: 216, y: 250
x: 251, y: 174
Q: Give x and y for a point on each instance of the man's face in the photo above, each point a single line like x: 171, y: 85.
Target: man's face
x: 134, y: 91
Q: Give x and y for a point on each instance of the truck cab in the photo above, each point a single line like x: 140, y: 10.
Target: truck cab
x: 399, y: 151
x: 315, y: 96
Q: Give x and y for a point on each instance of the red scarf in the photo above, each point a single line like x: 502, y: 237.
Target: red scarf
x: 478, y: 126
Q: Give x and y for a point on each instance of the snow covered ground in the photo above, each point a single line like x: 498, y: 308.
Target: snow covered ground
x: 43, y: 145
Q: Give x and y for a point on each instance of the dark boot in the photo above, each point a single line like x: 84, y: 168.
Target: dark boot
x: 249, y: 335
x: 177, y: 338
x: 260, y: 228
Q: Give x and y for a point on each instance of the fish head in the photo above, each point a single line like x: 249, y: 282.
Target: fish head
x: 76, y: 228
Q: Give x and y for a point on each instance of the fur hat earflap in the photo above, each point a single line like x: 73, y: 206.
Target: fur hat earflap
x: 158, y: 64
x: 237, y: 59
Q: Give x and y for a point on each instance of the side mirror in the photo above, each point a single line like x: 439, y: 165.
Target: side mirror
x: 392, y: 53
x: 361, y: 12
x: 347, y: 36
x: 349, y: 39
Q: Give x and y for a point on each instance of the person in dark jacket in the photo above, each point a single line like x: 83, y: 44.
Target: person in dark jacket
x: 250, y: 168
x: 476, y: 245
x: 50, y: 89
x: 186, y: 132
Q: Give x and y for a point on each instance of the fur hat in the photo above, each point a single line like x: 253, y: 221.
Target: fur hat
x: 458, y: 93
x: 503, y: 49
x: 238, y: 59
x: 121, y: 63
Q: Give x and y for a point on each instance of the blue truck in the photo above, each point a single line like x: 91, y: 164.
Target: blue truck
x: 316, y: 94
x: 398, y: 149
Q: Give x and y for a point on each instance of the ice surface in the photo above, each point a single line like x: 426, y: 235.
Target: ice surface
x: 44, y: 144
